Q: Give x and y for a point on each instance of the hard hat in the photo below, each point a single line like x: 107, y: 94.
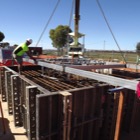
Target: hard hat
x: 29, y: 40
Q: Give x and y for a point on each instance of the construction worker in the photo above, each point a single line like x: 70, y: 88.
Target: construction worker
x: 19, y: 51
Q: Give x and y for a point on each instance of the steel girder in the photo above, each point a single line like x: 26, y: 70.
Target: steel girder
x: 129, y: 84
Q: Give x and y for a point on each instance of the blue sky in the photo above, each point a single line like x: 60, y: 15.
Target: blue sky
x: 22, y: 19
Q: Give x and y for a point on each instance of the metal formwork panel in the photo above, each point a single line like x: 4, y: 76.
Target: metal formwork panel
x: 31, y: 92
x: 131, y: 111
x: 109, y: 116
x: 8, y: 91
x: 23, y: 101
x: 86, y: 113
x: 128, y: 110
x: 54, y: 116
x: 49, y: 116
x: 136, y: 116
x: 15, y: 88
x: 2, y: 82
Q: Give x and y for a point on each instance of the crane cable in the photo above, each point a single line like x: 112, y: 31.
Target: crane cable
x: 72, y: 7
x: 110, y: 30
x: 48, y: 22
x: 70, y: 20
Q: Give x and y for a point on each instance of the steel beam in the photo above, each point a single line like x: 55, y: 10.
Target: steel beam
x: 44, y: 64
x: 129, y: 84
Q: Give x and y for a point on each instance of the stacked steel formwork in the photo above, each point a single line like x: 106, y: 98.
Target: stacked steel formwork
x: 54, y: 105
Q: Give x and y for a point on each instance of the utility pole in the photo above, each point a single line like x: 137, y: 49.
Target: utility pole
x: 104, y: 49
x: 104, y: 45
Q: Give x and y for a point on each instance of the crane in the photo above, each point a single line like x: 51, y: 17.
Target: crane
x: 76, y: 49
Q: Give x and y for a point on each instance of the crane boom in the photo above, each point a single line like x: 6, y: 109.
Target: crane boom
x: 76, y: 49
x: 77, y: 18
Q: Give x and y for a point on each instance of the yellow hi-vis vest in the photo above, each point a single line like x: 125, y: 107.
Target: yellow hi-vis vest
x: 21, y: 49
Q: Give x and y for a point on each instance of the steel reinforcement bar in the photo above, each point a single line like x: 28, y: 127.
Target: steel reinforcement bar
x: 129, y: 84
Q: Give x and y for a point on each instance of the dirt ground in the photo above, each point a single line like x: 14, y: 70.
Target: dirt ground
x: 7, y: 129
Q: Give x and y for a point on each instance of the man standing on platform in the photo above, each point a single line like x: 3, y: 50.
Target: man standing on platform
x: 19, y: 51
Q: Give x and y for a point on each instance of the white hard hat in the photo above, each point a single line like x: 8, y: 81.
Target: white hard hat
x: 29, y: 40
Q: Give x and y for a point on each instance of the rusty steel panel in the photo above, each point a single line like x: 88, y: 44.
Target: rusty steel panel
x: 126, y: 74
x: 25, y: 67
x: 90, y: 67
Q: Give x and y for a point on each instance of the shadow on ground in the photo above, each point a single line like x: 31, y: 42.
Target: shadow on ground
x: 5, y: 131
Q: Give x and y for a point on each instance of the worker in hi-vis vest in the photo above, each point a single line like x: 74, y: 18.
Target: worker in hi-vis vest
x: 20, y: 50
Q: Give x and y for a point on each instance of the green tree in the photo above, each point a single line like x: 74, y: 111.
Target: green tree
x: 59, y: 36
x: 138, y: 48
x: 138, y: 53
x: 1, y: 36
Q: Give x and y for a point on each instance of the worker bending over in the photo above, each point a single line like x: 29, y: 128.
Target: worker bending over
x: 20, y: 50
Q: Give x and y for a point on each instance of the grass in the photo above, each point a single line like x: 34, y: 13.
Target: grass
x: 129, y: 57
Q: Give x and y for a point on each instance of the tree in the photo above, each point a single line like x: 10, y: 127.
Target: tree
x: 59, y: 36
x: 1, y: 36
x: 138, y: 48
x: 138, y: 53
